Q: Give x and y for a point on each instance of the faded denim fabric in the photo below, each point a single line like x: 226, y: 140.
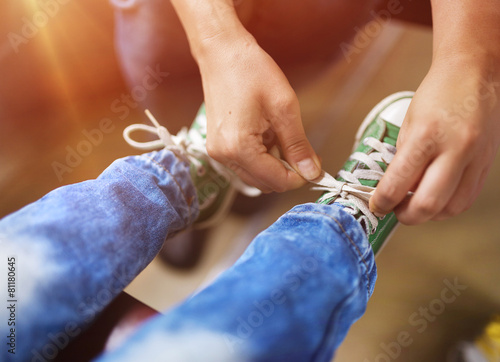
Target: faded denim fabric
x: 80, y: 245
x: 292, y: 295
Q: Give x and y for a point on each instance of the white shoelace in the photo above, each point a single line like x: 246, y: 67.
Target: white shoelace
x: 189, y: 144
x: 352, y: 194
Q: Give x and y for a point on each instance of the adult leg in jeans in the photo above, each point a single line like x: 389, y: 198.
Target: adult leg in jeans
x: 291, y: 296
x: 80, y: 245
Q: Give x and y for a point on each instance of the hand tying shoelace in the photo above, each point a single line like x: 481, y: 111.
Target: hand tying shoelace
x: 189, y: 144
x: 351, y: 193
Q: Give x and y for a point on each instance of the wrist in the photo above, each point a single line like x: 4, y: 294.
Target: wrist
x: 465, y: 33
x: 224, y: 42
x: 477, y: 77
x: 480, y: 64
x: 466, y: 53
x: 209, y: 25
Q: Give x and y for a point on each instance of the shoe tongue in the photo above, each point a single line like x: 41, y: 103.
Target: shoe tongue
x: 385, y: 128
x: 377, y: 129
x: 393, y: 117
x: 352, y: 165
x: 395, y: 113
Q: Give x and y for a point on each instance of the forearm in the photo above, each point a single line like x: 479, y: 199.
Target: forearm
x: 248, y: 98
x: 467, y: 29
x: 207, y: 21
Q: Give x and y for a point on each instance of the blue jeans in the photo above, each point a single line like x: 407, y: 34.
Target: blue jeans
x: 291, y: 296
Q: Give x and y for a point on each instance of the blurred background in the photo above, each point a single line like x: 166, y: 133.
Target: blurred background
x: 59, y: 81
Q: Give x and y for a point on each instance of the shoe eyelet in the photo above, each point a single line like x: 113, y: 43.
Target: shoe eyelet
x: 201, y: 171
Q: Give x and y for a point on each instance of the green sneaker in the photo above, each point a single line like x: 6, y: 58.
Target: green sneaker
x: 216, y: 186
x: 373, y: 150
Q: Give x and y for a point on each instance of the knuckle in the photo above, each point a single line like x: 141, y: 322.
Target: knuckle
x: 426, y: 206
x: 287, y: 102
x: 426, y: 141
x: 286, y: 111
x: 423, y: 147
x: 213, y: 150
x: 449, y: 212
x: 296, y: 145
x: 233, y: 166
x: 246, y: 151
x: 426, y: 132
x: 221, y: 152
x: 456, y: 207
x: 280, y: 188
x: 408, y: 220
x: 429, y: 129
x: 469, y: 138
x: 466, y: 205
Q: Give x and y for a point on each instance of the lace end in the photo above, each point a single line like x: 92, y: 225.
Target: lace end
x: 152, y: 118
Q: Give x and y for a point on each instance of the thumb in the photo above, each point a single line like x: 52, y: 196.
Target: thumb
x: 296, y: 149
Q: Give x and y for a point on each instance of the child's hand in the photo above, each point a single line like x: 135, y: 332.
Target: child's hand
x: 447, y: 144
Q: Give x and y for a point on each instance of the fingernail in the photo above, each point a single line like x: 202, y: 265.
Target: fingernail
x: 308, y: 169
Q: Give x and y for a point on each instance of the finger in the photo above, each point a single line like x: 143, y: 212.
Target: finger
x: 461, y: 198
x: 438, y: 184
x: 247, y: 178
x: 467, y: 191
x: 479, y: 186
x: 402, y: 174
x: 271, y: 172
x: 249, y: 159
x: 296, y: 149
x: 254, y: 158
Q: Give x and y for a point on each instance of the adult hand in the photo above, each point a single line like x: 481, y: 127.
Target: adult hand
x: 251, y: 107
x: 446, y: 145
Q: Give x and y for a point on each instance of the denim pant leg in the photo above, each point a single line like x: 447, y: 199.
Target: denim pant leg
x: 292, y: 296
x: 80, y: 245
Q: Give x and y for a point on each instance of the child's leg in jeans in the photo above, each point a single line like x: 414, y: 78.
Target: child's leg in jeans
x: 292, y: 296
x: 80, y: 245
